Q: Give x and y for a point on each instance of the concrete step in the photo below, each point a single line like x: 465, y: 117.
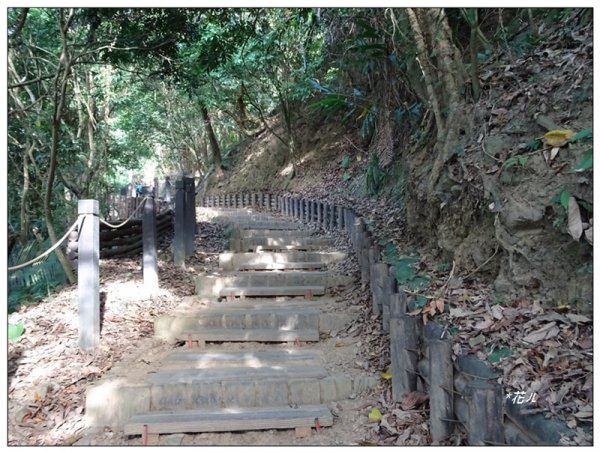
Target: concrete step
x: 239, y: 419
x: 237, y: 315
x: 237, y: 374
x: 262, y: 233
x: 255, y: 282
x: 278, y: 243
x: 307, y: 291
x: 112, y: 402
x: 232, y: 261
x: 309, y: 266
x: 265, y: 225
x: 171, y: 326
x: 255, y: 359
x: 259, y: 335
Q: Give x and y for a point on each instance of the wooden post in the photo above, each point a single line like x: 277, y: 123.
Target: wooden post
x: 331, y: 217
x: 190, y: 215
x: 319, y: 213
x: 389, y: 288
x: 88, y: 274
x: 485, y: 424
x: 340, y: 218
x: 403, y: 353
x: 150, y: 268
x: 179, y: 239
x: 380, y: 270
x: 441, y: 382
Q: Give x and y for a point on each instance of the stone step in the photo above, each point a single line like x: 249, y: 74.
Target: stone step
x: 231, y: 261
x: 265, y: 225
x: 238, y: 315
x: 278, y: 243
x: 275, y: 291
x: 194, y: 359
x: 261, y: 335
x: 166, y: 326
x: 112, y: 402
x: 237, y: 374
x: 238, y: 419
x: 262, y: 233
x: 308, y: 265
x: 255, y: 282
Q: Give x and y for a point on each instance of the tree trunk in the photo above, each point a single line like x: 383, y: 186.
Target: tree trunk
x: 443, y: 77
x: 214, y: 144
x: 24, y: 217
x: 60, y: 86
x: 241, y: 107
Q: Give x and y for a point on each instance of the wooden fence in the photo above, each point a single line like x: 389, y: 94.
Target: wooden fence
x: 127, y: 240
x: 462, y: 390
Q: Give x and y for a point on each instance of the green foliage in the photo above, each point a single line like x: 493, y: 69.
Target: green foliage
x: 514, y: 160
x: 587, y: 162
x: 411, y: 113
x: 405, y: 272
x: 374, y: 176
x: 533, y: 144
x: 345, y: 161
x: 15, y: 330
x: 498, y: 354
x: 443, y: 267
x: 369, y: 116
x: 419, y: 302
x: 586, y: 133
x: 35, y: 281
x: 564, y: 199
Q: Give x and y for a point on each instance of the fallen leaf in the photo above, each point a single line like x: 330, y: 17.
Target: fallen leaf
x: 585, y: 412
x: 558, y: 137
x: 548, y: 331
x: 375, y: 415
x: 589, y: 235
x: 578, y: 318
x: 439, y: 303
x: 574, y: 219
x: 485, y: 324
x: 497, y: 312
x: 474, y: 341
x: 553, y: 153
x: 459, y: 313
x: 386, y: 375
x: 413, y: 399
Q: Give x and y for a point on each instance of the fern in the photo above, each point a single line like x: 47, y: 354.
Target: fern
x: 36, y: 280
x: 375, y: 176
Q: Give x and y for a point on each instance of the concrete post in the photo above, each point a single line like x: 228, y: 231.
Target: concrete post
x: 190, y: 215
x: 150, y: 268
x: 88, y: 274
x: 179, y: 240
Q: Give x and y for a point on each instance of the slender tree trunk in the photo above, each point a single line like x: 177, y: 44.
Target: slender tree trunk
x: 474, y: 61
x: 214, y: 144
x: 24, y: 217
x: 241, y: 107
x: 60, y: 86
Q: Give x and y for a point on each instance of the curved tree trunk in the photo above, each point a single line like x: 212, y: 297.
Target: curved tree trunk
x: 214, y: 144
x: 443, y: 78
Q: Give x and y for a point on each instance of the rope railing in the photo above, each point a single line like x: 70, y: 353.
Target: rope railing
x: 64, y: 237
x: 47, y: 252
x: 104, y: 222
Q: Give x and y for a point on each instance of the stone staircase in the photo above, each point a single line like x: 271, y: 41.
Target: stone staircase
x: 251, y: 357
